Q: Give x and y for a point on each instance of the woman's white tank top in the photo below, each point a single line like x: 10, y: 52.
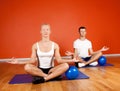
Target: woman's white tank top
x: 45, y: 58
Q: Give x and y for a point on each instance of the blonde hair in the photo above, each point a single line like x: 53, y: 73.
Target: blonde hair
x: 45, y: 24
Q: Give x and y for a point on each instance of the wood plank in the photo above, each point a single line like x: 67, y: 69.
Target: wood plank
x: 101, y: 79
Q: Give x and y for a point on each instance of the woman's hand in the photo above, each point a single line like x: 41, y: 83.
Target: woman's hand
x: 13, y: 61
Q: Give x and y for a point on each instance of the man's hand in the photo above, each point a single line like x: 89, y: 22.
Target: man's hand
x: 68, y: 53
x: 104, y: 48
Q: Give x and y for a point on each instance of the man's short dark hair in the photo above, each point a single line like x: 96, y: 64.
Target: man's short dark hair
x: 82, y: 27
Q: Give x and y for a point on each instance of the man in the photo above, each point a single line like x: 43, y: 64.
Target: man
x: 83, y: 50
x: 43, y: 52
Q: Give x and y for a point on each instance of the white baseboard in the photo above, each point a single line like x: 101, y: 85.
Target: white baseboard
x: 111, y: 55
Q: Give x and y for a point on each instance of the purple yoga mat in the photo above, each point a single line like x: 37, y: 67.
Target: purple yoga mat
x: 21, y: 78
x: 26, y: 78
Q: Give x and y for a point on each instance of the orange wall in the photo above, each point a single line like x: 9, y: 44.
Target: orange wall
x: 20, y: 22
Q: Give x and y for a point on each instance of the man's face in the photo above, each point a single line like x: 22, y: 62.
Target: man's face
x: 82, y: 32
x: 45, y: 30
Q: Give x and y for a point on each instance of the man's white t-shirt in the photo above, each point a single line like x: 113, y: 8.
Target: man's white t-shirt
x: 82, y: 47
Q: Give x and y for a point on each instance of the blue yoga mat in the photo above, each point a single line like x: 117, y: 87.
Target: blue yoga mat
x: 107, y: 64
x: 26, y: 78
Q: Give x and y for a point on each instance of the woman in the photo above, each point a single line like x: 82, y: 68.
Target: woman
x: 44, y: 52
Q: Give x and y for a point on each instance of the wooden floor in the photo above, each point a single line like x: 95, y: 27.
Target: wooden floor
x: 101, y: 79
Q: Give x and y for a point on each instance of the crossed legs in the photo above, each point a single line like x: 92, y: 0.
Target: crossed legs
x: 53, y: 72
x: 92, y: 59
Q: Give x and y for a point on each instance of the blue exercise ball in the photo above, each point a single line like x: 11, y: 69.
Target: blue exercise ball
x: 102, y: 60
x: 72, y: 73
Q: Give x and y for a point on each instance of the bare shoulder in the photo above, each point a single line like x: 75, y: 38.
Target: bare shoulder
x: 34, y: 46
x: 56, y: 45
